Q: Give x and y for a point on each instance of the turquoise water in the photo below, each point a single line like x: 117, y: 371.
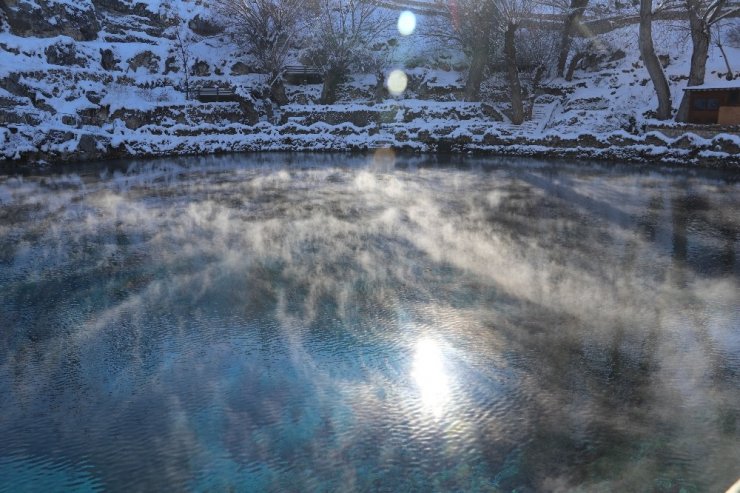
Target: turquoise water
x: 369, y: 323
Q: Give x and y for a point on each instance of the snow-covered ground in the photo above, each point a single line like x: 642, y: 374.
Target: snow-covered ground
x: 121, y: 93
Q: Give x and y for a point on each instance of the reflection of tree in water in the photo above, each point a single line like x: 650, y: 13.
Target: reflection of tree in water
x: 618, y: 379
x: 258, y: 322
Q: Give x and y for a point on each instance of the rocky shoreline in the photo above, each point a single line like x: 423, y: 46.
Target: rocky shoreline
x: 100, y: 79
x: 721, y: 151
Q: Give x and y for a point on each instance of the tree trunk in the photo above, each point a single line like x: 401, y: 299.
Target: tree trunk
x: 277, y: 92
x: 730, y: 75
x: 512, y: 72
x: 539, y: 72
x: 573, y: 64
x: 332, y: 78
x: 379, y: 87
x: 577, y: 7
x: 700, y: 37
x: 477, y: 70
x: 652, y: 64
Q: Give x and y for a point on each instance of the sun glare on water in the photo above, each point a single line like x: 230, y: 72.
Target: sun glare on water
x: 430, y: 375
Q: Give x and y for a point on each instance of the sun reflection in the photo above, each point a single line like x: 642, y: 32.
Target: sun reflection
x: 430, y: 375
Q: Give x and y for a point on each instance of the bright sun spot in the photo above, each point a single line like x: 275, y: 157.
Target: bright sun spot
x: 397, y: 82
x: 406, y: 22
x: 430, y: 375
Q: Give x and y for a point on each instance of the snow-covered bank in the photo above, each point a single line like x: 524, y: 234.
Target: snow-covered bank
x: 689, y: 149
x: 71, y: 93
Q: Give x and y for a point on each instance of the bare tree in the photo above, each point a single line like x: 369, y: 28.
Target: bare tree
x: 473, y: 26
x: 183, y: 42
x: 730, y: 75
x: 478, y: 27
x: 703, y: 14
x: 341, y: 35
x: 379, y: 59
x: 733, y: 36
x: 652, y: 63
x: 536, y: 48
x: 573, y: 13
x: 512, y: 14
x: 267, y: 29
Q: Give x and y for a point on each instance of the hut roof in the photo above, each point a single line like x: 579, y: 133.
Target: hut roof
x: 716, y: 85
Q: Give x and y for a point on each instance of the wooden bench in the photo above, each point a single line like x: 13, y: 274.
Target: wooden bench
x: 301, y: 74
x: 214, y: 94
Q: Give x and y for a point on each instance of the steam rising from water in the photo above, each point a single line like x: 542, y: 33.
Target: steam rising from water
x: 355, y: 325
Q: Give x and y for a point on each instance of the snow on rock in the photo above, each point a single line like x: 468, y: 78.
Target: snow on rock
x: 86, y: 79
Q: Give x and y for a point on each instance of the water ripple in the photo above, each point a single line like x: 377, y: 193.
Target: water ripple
x: 220, y: 324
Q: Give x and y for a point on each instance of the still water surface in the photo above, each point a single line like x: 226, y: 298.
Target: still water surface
x: 351, y: 323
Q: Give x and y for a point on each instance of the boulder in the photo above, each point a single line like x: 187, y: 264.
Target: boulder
x: 201, y: 69
x: 241, y: 68
x: 108, y: 60
x: 64, y: 53
x: 91, y: 147
x: 145, y: 59
x: 131, y: 7
x: 47, y: 18
x: 204, y: 27
x: 171, y: 65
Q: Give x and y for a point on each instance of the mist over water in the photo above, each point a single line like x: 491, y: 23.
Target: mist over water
x: 369, y: 323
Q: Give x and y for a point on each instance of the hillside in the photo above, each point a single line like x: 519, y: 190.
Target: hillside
x: 101, y: 78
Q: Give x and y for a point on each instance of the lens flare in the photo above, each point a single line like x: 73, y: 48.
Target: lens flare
x: 397, y: 82
x: 384, y: 159
x: 406, y: 23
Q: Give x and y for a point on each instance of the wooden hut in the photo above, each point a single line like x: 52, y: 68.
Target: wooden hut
x: 715, y: 103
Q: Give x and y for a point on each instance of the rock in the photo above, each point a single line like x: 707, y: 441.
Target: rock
x: 145, y: 59
x: 655, y: 139
x: 724, y: 144
x: 359, y: 118
x: 683, y: 142
x: 491, y: 112
x: 64, y: 53
x: 93, y: 96
x: 241, y: 68
x: 171, y: 65
x: 108, y: 60
x: 87, y: 147
x: 588, y: 140
x: 242, y: 112
x: 58, y: 137
x: 131, y: 7
x: 47, y: 18
x: 204, y: 27
x: 12, y: 83
x: 96, y: 116
x: 617, y: 55
x: 201, y: 69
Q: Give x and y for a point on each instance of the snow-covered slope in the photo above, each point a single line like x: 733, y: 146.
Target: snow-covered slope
x: 94, y: 78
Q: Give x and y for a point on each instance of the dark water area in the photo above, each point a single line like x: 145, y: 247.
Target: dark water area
x: 369, y: 323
